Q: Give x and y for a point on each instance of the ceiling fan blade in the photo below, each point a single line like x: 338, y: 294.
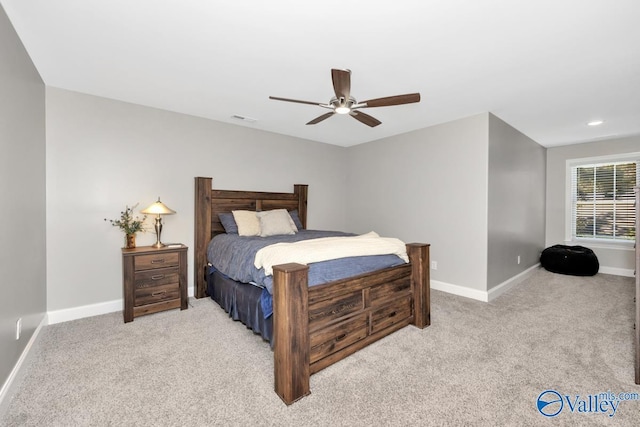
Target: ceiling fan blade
x: 365, y: 118
x: 295, y: 100
x: 341, y: 83
x: 318, y: 119
x: 392, y: 100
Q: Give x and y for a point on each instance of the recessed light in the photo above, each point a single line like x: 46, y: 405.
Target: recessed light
x: 595, y: 123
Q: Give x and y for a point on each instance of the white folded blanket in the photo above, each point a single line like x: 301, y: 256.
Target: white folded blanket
x: 328, y: 248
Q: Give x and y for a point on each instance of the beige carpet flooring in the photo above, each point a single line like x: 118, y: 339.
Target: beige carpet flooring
x: 477, y: 364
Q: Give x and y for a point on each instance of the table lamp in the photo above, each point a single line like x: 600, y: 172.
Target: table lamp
x: 158, y: 208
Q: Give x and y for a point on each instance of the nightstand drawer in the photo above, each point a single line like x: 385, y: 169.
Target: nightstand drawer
x: 160, y: 260
x: 157, y: 277
x: 157, y: 294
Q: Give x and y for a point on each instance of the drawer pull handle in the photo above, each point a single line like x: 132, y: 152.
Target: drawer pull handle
x: 157, y: 261
x: 392, y: 314
x: 156, y: 294
x: 341, y: 337
x: 157, y: 277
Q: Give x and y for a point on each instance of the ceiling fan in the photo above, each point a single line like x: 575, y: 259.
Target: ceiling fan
x: 344, y: 103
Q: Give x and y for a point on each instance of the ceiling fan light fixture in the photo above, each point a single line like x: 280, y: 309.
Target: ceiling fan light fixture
x: 342, y: 105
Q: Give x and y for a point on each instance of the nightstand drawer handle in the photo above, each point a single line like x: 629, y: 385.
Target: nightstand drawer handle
x: 155, y: 294
x: 157, y: 277
x: 157, y: 261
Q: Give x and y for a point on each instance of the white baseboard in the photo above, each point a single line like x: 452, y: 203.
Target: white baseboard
x: 496, y: 291
x: 626, y: 272
x: 67, y: 314
x: 4, y: 391
x: 462, y: 291
x: 484, y: 296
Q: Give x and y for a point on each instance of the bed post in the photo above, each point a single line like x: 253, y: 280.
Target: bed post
x: 291, y: 331
x: 419, y: 257
x: 302, y: 190
x: 202, y: 234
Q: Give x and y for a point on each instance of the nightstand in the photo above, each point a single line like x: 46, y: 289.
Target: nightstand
x: 154, y: 279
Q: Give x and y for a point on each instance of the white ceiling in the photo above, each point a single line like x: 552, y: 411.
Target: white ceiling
x: 546, y: 67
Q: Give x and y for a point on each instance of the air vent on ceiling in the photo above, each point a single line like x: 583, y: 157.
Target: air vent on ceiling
x: 243, y: 118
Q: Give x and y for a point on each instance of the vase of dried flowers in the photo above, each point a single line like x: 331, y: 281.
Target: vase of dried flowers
x: 129, y: 241
x: 130, y: 225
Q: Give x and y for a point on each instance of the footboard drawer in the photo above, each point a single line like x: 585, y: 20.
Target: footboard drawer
x: 329, y: 340
x: 323, y: 312
x: 394, y: 313
x: 381, y: 294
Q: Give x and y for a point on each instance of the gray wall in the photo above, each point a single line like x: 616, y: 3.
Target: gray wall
x: 516, y: 202
x: 22, y: 192
x: 430, y: 186
x: 104, y: 154
x: 556, y: 194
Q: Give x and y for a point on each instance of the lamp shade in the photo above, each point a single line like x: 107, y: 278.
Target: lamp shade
x: 158, y: 208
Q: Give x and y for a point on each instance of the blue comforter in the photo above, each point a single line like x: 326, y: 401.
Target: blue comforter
x: 233, y: 256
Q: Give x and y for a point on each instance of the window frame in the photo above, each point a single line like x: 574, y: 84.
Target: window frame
x: 594, y: 242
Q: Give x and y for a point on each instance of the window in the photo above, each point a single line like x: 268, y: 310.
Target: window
x: 603, y: 200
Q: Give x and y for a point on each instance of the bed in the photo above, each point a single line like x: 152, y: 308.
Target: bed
x: 314, y: 327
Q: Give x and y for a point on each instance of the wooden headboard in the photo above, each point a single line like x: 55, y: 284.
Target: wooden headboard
x: 209, y: 203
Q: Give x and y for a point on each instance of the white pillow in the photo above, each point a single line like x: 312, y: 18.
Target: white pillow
x: 248, y: 223
x: 275, y: 222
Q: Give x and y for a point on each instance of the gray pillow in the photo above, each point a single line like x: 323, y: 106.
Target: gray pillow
x: 296, y: 219
x: 229, y: 224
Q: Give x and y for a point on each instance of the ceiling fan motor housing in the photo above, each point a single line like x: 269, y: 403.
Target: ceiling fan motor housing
x: 342, y: 106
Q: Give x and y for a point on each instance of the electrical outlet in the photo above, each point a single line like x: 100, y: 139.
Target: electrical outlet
x: 18, y: 328
x: 518, y: 259
x: 434, y: 265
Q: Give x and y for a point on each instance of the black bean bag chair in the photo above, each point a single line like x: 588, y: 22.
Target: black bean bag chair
x: 573, y: 260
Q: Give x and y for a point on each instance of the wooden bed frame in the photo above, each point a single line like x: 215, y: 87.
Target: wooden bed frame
x: 318, y: 326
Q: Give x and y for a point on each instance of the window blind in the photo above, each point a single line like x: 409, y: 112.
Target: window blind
x: 603, y: 200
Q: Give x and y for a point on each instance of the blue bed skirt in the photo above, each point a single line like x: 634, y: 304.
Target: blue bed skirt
x: 242, y: 301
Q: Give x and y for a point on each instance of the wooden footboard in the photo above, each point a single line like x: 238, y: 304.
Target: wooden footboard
x: 318, y: 326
